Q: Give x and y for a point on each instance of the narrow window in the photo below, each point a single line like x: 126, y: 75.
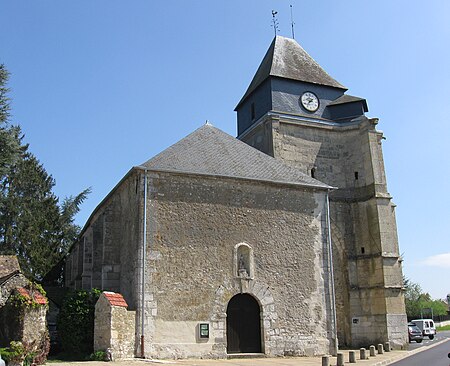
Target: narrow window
x: 252, y: 107
x: 362, y: 250
x: 313, y: 172
x: 356, y: 175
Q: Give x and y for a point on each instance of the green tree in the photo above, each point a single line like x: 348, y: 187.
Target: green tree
x: 33, y: 225
x: 10, y: 144
x: 419, y: 303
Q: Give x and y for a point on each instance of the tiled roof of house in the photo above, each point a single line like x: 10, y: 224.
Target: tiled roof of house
x: 210, y: 151
x: 35, y: 295
x: 115, y: 299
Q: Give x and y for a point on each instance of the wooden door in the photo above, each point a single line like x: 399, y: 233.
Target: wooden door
x: 243, y: 325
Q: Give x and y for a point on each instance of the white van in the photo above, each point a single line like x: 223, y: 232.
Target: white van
x: 426, y: 326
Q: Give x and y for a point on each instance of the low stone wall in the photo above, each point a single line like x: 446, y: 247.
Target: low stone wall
x: 26, y: 324
x: 114, y: 326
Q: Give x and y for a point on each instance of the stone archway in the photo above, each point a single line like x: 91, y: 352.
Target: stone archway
x: 260, y: 292
x: 243, y: 325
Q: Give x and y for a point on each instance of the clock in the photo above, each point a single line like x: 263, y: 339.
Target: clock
x: 310, y: 101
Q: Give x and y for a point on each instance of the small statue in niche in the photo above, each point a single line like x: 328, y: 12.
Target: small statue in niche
x: 242, y: 267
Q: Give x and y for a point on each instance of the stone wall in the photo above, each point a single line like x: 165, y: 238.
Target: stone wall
x: 26, y: 324
x: 114, y: 329
x: 15, y: 281
x: 194, y: 225
x: 106, y: 255
x: 35, y: 326
x: 368, y: 275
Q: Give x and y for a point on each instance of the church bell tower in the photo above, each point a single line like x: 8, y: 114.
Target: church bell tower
x: 294, y: 111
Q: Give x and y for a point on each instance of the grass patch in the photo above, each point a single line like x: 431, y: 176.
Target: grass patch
x: 447, y: 327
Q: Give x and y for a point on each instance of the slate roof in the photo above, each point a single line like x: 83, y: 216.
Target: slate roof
x: 115, y: 299
x: 285, y: 58
x: 210, y: 151
x: 8, y: 265
x: 349, y: 99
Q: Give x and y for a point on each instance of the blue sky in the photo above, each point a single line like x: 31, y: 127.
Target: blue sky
x: 100, y: 86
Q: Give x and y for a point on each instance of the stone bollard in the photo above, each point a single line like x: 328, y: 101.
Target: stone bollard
x: 325, y: 360
x: 380, y: 349
x: 372, y: 351
x: 387, y: 346
x: 351, y: 357
x: 362, y: 354
x: 340, y: 359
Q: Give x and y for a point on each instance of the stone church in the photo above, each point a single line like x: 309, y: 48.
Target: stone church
x: 281, y: 241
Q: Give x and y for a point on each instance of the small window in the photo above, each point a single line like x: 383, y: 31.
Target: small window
x: 356, y: 175
x: 313, y: 172
x: 252, y: 108
x: 363, y: 250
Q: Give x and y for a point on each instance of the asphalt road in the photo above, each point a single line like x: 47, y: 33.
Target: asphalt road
x: 433, y: 356
x: 426, y: 342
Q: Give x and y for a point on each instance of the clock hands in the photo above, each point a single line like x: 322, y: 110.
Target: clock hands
x: 310, y: 101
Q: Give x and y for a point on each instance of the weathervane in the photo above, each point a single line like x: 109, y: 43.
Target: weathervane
x: 275, y: 22
x: 292, y: 23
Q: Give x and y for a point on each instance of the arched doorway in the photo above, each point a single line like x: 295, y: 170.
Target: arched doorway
x: 243, y: 325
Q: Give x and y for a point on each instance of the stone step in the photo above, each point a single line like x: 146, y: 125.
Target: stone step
x: 245, y: 355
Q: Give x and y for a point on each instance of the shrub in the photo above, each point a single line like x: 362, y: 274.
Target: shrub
x: 98, y: 356
x: 18, y: 353
x: 76, y: 322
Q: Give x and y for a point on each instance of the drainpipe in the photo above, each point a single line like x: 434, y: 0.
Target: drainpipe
x: 330, y: 264
x: 144, y: 255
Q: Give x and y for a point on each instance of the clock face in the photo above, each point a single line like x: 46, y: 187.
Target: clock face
x: 310, y: 101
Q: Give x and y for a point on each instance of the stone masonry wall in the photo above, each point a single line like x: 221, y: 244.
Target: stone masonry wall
x: 195, y: 224
x: 364, y: 235
x: 108, y: 245
x: 114, y: 329
x: 25, y: 324
x: 35, y: 325
x: 17, y: 280
x: 102, y: 324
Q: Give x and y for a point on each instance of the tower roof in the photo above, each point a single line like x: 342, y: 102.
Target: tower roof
x: 286, y: 59
x: 210, y: 151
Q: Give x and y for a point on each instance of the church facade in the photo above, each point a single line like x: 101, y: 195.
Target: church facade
x: 281, y: 242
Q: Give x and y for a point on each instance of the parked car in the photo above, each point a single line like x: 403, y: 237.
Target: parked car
x: 414, y: 333
x: 426, y: 326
